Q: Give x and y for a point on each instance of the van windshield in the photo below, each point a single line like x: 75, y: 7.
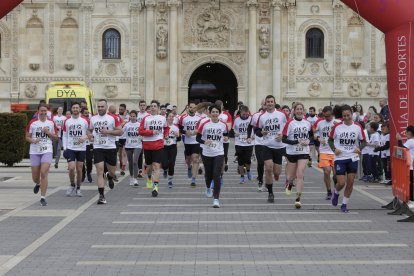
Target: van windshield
x: 66, y: 103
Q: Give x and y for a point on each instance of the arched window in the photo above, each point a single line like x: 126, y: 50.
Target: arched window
x: 111, y: 44
x: 314, y: 43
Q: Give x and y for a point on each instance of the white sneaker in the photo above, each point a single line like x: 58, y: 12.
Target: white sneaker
x: 136, y: 182
x: 71, y: 191
x: 410, y: 204
x: 209, y: 192
x: 78, y: 193
x: 216, y: 203
x: 131, y: 181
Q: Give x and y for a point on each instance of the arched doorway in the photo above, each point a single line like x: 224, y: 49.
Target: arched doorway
x: 211, y: 82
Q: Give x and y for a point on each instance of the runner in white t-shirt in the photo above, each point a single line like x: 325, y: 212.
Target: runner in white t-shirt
x: 58, y: 120
x: 296, y: 135
x: 212, y: 134
x: 409, y: 144
x: 170, y: 148
x: 39, y: 133
x: 75, y: 130
x: 104, y: 127
x: 133, y: 146
x: 346, y: 141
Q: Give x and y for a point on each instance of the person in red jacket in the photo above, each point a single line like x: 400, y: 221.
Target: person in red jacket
x: 153, y: 129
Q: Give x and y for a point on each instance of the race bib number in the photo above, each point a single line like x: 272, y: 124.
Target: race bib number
x: 102, y: 140
x: 168, y: 142
x: 133, y: 141
x: 243, y: 138
x: 355, y: 158
x: 76, y: 142
x: 213, y: 145
x: 299, y: 148
x: 42, y: 148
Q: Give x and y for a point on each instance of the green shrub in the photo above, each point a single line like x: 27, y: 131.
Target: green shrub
x: 29, y: 114
x: 12, y: 137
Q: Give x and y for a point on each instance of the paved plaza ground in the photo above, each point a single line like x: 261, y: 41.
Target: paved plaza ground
x: 179, y: 233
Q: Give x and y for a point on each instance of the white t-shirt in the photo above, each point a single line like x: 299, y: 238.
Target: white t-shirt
x: 73, y: 131
x: 189, y: 123
x: 240, y: 127
x: 214, y: 132
x: 45, y: 144
x: 172, y: 136
x: 313, y: 119
x: 58, y: 120
x: 409, y: 144
x: 274, y: 124
x: 383, y: 139
x: 133, y: 140
x: 226, y: 118
x: 109, y: 122
x: 257, y: 140
x: 374, y: 140
x: 297, y: 130
x: 323, y: 129
x: 346, y: 138
x: 154, y: 123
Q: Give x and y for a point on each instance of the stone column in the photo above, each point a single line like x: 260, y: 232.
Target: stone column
x: 338, y: 9
x: 252, y: 6
x: 173, y: 51
x: 291, y: 92
x: 277, y: 48
x: 87, y: 43
x: 134, y: 8
x: 15, y: 68
x: 150, y: 51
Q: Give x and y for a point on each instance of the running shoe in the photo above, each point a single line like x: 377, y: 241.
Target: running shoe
x: 200, y: 171
x: 310, y: 163
x: 259, y: 186
x: 209, y: 193
x: 328, y: 196
x: 89, y: 176
x: 389, y: 183
x: 140, y: 174
x: 288, y: 189
x: 115, y: 178
x: 344, y: 209
x: 149, y: 183
x: 101, y: 200
x: 298, y: 205
x: 131, y: 181
x: 43, y: 202
x: 36, y: 188
x: 56, y: 165
x: 249, y: 175
x: 122, y: 173
x: 216, y: 203
x: 193, y: 184
x: 170, y: 184
x: 71, y: 191
x: 189, y: 173
x: 363, y: 178
x: 226, y: 168
x: 241, y: 179
x: 136, y: 182
x: 111, y: 179
x: 384, y: 181
x: 155, y: 191
x: 271, y: 198
x: 165, y: 174
x: 79, y: 193
x: 335, y: 198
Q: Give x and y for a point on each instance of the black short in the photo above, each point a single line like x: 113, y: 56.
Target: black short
x: 74, y: 155
x: 105, y: 155
x: 293, y: 158
x: 120, y: 143
x: 244, y: 155
x: 191, y: 149
x: 153, y: 156
x: 276, y: 155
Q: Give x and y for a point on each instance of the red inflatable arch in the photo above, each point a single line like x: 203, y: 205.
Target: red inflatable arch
x: 395, y: 18
x: 7, y: 5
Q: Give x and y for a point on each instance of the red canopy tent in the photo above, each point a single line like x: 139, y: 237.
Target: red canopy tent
x: 7, y: 5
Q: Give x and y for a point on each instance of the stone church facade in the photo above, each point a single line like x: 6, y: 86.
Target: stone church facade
x: 318, y: 52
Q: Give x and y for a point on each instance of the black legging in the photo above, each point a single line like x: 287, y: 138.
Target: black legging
x: 88, y: 161
x: 140, y: 161
x: 226, y: 152
x: 168, y: 162
x: 212, y: 171
x: 259, y: 150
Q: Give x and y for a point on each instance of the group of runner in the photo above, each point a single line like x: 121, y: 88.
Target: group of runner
x: 271, y: 133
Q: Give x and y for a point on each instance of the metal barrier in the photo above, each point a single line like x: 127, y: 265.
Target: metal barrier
x: 401, y: 186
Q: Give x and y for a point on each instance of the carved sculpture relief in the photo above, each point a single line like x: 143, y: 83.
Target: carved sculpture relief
x: 111, y: 91
x: 354, y: 89
x: 264, y: 34
x: 314, y: 89
x: 34, y: 21
x: 208, y: 27
x: 373, y: 89
x: 30, y: 91
x: 162, y: 16
x: 69, y: 21
x: 315, y: 9
x: 162, y: 38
